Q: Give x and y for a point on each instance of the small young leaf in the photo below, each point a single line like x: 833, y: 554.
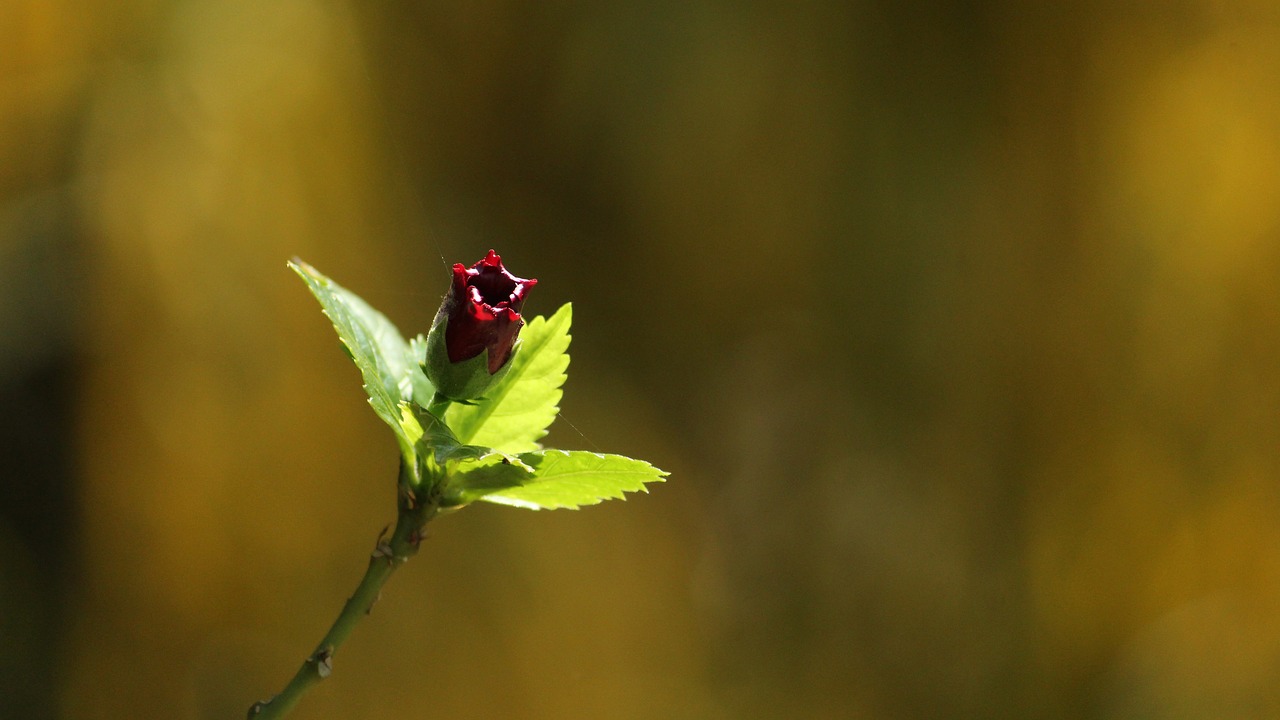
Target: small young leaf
x: 467, y: 471
x: 448, y: 451
x: 515, y: 413
x: 570, y: 479
x: 423, y: 391
x: 378, y: 350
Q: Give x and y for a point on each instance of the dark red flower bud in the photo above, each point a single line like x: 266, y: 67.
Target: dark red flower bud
x: 475, y: 331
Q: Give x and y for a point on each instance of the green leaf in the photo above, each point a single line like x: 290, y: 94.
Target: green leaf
x: 466, y: 470
x: 515, y: 413
x: 376, y: 347
x: 423, y: 391
x: 448, y: 451
x: 566, y: 479
x: 472, y: 480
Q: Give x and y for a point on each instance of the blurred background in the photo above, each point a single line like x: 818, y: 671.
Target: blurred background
x: 956, y: 325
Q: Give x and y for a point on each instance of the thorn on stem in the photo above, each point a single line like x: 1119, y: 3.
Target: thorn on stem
x: 324, y: 662
x: 383, y: 550
x: 409, y: 497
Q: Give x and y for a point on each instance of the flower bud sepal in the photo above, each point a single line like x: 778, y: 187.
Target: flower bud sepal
x: 460, y: 382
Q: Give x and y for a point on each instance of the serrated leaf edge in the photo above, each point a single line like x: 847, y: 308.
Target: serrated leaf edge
x: 660, y: 475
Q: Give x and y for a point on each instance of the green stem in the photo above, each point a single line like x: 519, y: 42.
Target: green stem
x: 439, y: 404
x: 387, y: 556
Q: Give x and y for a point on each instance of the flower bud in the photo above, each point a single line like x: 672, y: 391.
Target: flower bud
x: 474, y: 334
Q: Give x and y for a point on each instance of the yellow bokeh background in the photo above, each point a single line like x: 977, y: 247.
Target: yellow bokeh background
x: 957, y: 326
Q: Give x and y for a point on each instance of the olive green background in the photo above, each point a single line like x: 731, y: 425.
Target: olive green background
x: 957, y: 326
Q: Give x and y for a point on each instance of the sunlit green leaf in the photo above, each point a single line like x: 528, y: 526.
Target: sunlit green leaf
x: 448, y: 451
x: 378, y: 350
x: 566, y: 479
x: 515, y: 413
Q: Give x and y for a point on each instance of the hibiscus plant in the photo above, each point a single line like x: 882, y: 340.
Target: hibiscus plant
x: 467, y: 405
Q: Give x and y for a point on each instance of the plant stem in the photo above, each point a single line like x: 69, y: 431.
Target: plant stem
x: 387, y: 556
x: 439, y: 404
